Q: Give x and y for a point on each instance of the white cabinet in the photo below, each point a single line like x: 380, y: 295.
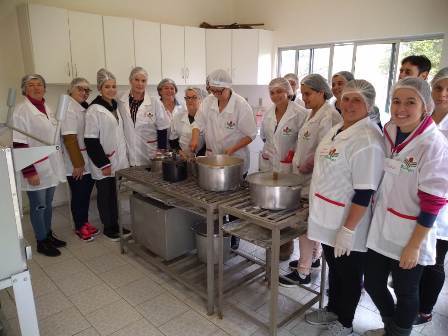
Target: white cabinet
x: 147, y: 49
x: 219, y: 49
x: 195, y: 56
x: 119, y: 47
x: 87, y: 44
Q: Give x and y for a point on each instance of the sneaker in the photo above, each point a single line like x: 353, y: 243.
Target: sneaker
x: 422, y: 319
x: 45, y: 247
x: 114, y: 236
x: 375, y: 332
x: 56, y: 242
x: 321, y: 317
x: 93, y: 230
x: 295, y: 263
x: 316, y: 263
x: 337, y: 329
x: 84, y: 233
x: 296, y: 277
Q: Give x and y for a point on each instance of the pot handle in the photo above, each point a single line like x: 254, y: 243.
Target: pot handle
x: 295, y: 188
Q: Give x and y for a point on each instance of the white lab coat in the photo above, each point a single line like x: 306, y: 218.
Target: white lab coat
x: 420, y: 165
x: 226, y: 128
x: 74, y: 123
x: 442, y: 219
x: 101, y: 124
x: 352, y: 159
x: 298, y: 100
x: 280, y: 138
x: 311, y: 133
x: 28, y: 118
x: 170, y: 115
x: 181, y: 129
x: 141, y: 138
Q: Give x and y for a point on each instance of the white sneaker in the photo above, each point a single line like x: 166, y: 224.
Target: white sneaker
x: 337, y: 329
x: 375, y: 332
x: 321, y: 317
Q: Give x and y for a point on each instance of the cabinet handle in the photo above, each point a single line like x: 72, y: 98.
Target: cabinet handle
x: 76, y: 71
x: 182, y: 73
x: 188, y: 72
x: 68, y: 68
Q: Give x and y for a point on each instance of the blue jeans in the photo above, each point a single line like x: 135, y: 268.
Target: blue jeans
x: 41, y: 211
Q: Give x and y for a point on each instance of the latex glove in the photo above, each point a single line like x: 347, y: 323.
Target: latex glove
x: 409, y: 257
x: 344, y: 242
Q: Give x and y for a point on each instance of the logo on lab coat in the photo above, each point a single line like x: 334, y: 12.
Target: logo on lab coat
x: 332, y: 154
x: 230, y: 124
x: 287, y: 131
x: 409, y: 164
x: 149, y: 114
x: 306, y: 135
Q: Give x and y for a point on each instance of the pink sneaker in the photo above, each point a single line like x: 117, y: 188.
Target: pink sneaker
x: 84, y: 234
x: 93, y: 230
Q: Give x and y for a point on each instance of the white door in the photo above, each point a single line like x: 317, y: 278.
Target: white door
x: 244, y: 56
x: 50, y: 43
x: 195, y: 56
x: 119, y: 47
x: 172, y: 40
x: 147, y: 49
x: 218, y: 49
x: 87, y: 44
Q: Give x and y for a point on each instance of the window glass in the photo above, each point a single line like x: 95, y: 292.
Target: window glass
x: 342, y: 58
x: 321, y: 61
x: 304, y: 63
x: 288, y: 62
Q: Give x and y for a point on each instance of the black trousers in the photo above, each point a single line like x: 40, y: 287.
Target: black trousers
x: 345, y: 283
x: 80, y: 191
x: 406, y: 287
x: 107, y: 204
x: 433, y: 278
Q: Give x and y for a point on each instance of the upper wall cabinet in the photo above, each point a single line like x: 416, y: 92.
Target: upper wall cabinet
x: 147, y: 49
x: 87, y: 44
x: 219, y: 49
x: 195, y: 63
x: 119, y: 47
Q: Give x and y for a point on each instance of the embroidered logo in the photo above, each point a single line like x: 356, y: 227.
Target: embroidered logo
x: 287, y: 131
x: 149, y: 114
x: 230, y: 124
x: 306, y: 135
x: 409, y: 164
x: 332, y: 154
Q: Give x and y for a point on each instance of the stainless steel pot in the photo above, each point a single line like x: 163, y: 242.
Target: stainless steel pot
x: 174, y: 169
x: 275, y: 192
x: 219, y: 172
x: 156, y: 162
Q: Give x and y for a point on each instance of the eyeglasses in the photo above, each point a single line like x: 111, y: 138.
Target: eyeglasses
x: 217, y: 91
x: 30, y: 85
x: 191, y: 98
x: 85, y: 90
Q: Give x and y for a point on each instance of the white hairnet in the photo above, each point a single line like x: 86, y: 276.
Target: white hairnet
x: 138, y: 71
x: 346, y: 74
x: 220, y: 78
x: 200, y: 92
x: 364, y: 89
x: 102, y: 76
x: 292, y: 76
x: 27, y: 78
x: 282, y: 83
x: 421, y: 87
x: 441, y: 74
x: 78, y: 81
x: 164, y: 82
x: 317, y: 83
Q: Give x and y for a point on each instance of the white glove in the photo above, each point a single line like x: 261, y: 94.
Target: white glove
x: 344, y: 242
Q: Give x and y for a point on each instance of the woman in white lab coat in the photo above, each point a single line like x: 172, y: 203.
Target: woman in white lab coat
x: 226, y: 119
x: 348, y: 168
x: 33, y: 116
x: 412, y: 192
x: 106, y: 147
x: 433, y: 276
x: 338, y: 82
x: 320, y: 119
x: 293, y: 80
x: 144, y: 120
x: 167, y: 90
x: 182, y: 125
x: 279, y: 129
x: 76, y: 158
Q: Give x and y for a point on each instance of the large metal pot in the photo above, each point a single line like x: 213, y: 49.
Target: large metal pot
x: 219, y: 172
x: 275, y: 191
x: 174, y: 169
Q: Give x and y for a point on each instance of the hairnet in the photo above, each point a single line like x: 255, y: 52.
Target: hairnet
x: 27, y: 78
x: 282, y: 83
x: 164, y: 82
x: 292, y: 76
x: 364, y: 89
x: 317, y: 83
x: 421, y: 87
x: 138, y: 71
x: 200, y: 92
x: 102, y: 76
x: 346, y: 74
x: 220, y: 78
x: 441, y: 74
x: 78, y: 81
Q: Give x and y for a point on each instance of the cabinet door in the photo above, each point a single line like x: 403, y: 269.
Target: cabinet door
x: 244, y: 56
x: 147, y: 49
x: 265, y: 59
x: 219, y: 49
x: 119, y: 47
x: 87, y: 44
x: 172, y: 39
x: 195, y: 55
x: 50, y: 43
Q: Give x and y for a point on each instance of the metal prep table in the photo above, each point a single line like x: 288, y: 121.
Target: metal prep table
x: 267, y: 229
x: 186, y: 195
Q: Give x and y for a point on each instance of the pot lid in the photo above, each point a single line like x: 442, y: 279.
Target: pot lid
x: 220, y: 160
x: 267, y: 179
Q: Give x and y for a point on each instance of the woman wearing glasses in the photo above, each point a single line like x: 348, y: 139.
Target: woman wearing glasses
x: 76, y: 159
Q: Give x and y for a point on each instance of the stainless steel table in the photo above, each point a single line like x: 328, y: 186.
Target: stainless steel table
x: 189, y: 196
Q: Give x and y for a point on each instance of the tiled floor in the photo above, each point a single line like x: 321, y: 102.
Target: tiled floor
x: 91, y: 289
